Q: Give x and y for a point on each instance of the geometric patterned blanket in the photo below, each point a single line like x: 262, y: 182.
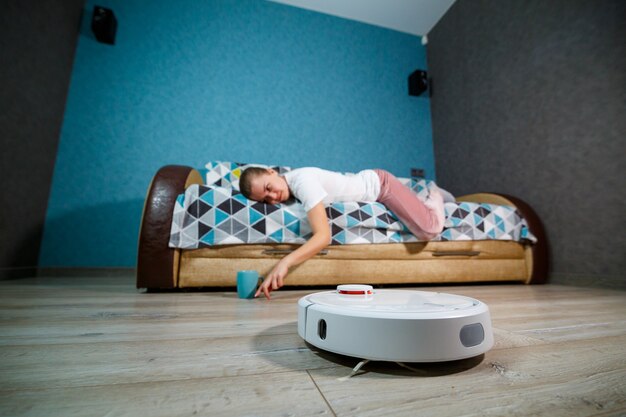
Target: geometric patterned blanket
x: 212, y: 215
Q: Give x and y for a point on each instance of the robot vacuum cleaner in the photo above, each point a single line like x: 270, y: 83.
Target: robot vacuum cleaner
x: 395, y: 325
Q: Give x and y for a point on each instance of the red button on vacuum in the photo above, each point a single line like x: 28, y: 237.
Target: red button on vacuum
x: 355, y: 289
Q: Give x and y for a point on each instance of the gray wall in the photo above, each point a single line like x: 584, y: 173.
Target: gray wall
x: 530, y: 100
x: 37, y: 43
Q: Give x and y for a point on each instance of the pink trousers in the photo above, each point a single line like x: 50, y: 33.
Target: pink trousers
x: 424, y: 219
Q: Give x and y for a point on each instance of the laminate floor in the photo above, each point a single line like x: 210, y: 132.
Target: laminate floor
x: 97, y: 346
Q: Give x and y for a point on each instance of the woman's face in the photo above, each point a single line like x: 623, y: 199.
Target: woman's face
x: 269, y: 188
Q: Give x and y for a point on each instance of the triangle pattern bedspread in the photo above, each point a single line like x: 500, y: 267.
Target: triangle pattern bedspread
x: 218, y: 214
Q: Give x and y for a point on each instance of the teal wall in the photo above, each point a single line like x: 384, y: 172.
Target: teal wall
x: 245, y: 80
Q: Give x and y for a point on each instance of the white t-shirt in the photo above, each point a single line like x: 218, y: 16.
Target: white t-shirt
x: 312, y: 185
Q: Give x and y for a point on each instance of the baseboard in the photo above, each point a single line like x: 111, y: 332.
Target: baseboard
x: 18, y: 273
x: 617, y: 282
x: 85, y: 272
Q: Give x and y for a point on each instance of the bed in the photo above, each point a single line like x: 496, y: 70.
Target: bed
x: 167, y: 261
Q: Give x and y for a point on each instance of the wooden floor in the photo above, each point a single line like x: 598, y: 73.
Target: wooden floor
x: 97, y: 346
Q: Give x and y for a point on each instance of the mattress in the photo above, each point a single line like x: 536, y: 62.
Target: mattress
x: 208, y: 215
x: 216, y: 213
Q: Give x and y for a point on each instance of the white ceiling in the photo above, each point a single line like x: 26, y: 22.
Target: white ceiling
x: 416, y: 17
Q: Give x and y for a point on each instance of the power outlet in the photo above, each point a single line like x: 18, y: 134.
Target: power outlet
x: 417, y: 173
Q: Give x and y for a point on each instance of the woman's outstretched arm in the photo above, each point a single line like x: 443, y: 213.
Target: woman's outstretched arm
x: 320, y: 239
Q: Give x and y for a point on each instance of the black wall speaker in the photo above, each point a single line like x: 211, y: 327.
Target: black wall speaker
x: 418, y: 82
x: 104, y: 25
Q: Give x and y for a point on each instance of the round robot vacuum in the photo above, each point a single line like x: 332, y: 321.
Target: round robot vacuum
x: 395, y: 325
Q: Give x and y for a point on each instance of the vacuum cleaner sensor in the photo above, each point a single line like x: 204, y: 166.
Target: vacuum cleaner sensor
x: 395, y: 325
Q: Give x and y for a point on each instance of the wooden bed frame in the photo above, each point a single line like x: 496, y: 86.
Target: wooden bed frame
x: 162, y: 267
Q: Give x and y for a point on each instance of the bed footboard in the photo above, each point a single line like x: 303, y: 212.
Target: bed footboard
x: 537, y: 258
x: 157, y: 263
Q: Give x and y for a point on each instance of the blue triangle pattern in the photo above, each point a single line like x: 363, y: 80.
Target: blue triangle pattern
x: 241, y: 199
x: 381, y: 224
x: 289, y: 223
x: 352, y: 222
x: 209, y: 238
x: 288, y: 217
x: 340, y: 237
x: 208, y: 197
x: 294, y: 227
x: 446, y: 234
x: 277, y: 236
x: 220, y: 216
x: 255, y: 216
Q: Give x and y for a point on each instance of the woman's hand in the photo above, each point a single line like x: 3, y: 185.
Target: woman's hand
x: 274, y: 280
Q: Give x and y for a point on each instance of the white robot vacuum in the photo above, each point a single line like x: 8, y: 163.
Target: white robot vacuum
x: 395, y: 325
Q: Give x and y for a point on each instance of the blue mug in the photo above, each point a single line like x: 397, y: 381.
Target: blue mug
x: 247, y: 283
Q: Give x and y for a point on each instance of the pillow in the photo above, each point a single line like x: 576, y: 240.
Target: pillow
x: 226, y: 174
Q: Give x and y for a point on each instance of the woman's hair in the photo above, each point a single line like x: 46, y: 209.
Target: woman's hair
x: 245, y: 181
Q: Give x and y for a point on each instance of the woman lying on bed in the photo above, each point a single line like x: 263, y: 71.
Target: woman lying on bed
x: 316, y: 188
